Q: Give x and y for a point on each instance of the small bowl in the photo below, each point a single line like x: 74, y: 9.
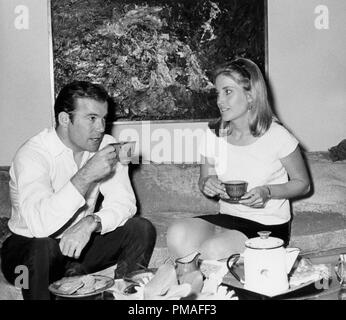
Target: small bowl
x: 235, y: 189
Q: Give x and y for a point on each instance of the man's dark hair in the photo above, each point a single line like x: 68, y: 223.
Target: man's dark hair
x: 66, y: 98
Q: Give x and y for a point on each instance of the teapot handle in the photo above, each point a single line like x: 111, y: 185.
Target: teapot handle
x: 340, y: 267
x: 234, y: 259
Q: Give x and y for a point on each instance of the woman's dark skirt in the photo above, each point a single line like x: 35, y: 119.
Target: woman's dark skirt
x: 249, y: 227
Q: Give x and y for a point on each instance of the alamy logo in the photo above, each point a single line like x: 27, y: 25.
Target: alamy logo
x: 21, y: 21
x: 22, y: 280
x: 322, y: 19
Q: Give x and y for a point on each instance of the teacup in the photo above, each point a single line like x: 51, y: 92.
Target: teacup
x: 235, y: 189
x: 124, y: 150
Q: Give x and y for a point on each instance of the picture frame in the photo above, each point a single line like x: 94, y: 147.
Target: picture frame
x: 155, y: 57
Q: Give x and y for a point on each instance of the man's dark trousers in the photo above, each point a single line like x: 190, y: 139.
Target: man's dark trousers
x: 129, y: 246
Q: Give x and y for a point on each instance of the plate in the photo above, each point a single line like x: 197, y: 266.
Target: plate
x: 304, y: 289
x: 107, y: 283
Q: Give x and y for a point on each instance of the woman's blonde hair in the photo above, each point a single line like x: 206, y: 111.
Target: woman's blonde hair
x: 248, y: 75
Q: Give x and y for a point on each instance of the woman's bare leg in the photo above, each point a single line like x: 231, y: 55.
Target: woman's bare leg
x: 223, y: 244
x: 193, y: 234
x: 187, y: 235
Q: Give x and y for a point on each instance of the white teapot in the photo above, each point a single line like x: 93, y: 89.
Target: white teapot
x: 267, y: 263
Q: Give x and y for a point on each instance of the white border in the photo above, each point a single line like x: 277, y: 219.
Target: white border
x: 51, y: 60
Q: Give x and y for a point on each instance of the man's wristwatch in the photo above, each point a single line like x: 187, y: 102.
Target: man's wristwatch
x: 98, y: 221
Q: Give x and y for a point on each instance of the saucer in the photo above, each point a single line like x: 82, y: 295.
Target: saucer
x: 230, y: 200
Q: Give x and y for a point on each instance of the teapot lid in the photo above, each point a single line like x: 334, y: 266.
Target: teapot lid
x: 264, y: 241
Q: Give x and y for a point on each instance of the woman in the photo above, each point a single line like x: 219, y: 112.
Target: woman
x: 246, y: 143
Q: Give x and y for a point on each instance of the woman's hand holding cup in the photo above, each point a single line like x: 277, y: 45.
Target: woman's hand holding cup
x: 256, y: 197
x: 211, y: 186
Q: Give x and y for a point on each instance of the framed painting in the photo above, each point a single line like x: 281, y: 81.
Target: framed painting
x: 155, y: 57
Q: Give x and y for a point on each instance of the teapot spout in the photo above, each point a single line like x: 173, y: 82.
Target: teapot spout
x: 291, y: 257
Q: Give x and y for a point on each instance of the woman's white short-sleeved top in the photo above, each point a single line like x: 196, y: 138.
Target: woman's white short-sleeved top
x: 259, y: 164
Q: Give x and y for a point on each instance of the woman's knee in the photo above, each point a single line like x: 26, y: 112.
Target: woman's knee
x: 177, y: 233
x: 186, y: 235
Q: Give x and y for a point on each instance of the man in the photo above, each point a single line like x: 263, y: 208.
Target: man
x: 55, y: 180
